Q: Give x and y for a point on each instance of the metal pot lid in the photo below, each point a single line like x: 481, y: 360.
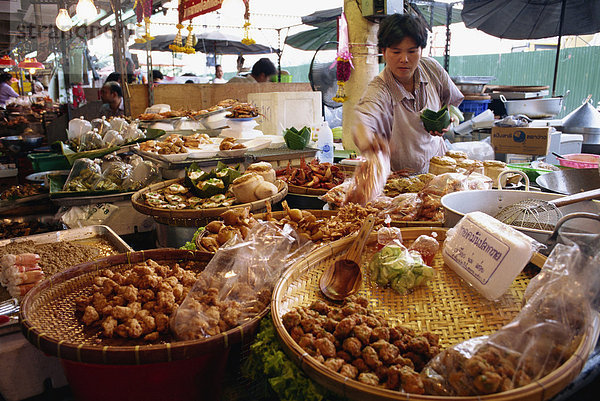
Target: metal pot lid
x: 584, y: 117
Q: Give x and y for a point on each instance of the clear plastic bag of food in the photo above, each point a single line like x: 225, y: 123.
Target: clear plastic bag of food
x: 113, y: 176
x: 404, y: 207
x: 237, y: 283
x: 369, y: 178
x: 143, y: 173
x: 337, y: 194
x: 398, y: 267
x: 91, y: 140
x: 83, y: 175
x: 559, y: 311
x: 431, y: 195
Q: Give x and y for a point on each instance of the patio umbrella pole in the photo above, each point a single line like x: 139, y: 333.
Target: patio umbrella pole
x: 560, y: 26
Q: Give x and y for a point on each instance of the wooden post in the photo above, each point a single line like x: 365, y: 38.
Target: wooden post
x: 366, y: 67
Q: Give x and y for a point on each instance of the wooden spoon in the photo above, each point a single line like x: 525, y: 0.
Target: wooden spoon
x: 344, y: 277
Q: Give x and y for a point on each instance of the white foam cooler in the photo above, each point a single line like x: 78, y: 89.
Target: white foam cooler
x: 281, y: 110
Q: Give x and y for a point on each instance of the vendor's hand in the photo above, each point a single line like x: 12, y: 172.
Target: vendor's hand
x: 435, y: 133
x: 368, y: 141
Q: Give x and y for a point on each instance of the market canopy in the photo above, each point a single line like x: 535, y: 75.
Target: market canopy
x: 533, y: 19
x: 209, y: 42
x: 325, y: 23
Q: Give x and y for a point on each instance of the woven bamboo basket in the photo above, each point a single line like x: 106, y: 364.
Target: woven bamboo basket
x: 49, y: 322
x: 196, y: 217
x: 324, y: 214
x: 445, y: 306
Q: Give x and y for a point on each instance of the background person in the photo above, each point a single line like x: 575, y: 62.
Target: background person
x: 262, y: 71
x: 218, y: 75
x: 112, y: 99
x: 6, y: 91
x: 389, y: 111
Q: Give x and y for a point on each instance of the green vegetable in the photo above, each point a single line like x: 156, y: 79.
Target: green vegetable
x: 269, y: 364
x: 455, y: 112
x: 398, y: 268
x: 191, y: 244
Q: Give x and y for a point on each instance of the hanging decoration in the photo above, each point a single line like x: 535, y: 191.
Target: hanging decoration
x: 177, y: 45
x: 247, y: 40
x: 140, y: 31
x: 189, y: 9
x: 143, y: 12
x: 343, y: 62
x: 7, y: 62
x: 189, y: 41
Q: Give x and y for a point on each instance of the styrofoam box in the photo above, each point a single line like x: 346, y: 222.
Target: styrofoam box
x: 281, y: 110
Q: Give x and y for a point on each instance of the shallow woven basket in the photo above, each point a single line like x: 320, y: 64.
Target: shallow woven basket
x: 49, y: 322
x: 197, y: 217
x: 445, y: 306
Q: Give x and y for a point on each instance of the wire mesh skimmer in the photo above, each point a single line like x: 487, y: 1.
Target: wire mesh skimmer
x: 540, y: 214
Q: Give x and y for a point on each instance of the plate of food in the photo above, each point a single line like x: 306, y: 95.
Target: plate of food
x: 231, y: 147
x: 203, y: 152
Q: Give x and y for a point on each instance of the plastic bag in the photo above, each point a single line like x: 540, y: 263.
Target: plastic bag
x: 369, y: 178
x: 399, y: 268
x: 113, y: 138
x: 113, y: 177
x: 237, y: 283
x: 337, y: 194
x: 559, y: 310
x: 404, y: 207
x: 91, y: 140
x: 476, y: 150
x: 143, y: 173
x: 83, y: 175
x: 443, y: 184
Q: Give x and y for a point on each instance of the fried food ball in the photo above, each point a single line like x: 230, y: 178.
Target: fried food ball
x: 325, y: 347
x: 90, y: 315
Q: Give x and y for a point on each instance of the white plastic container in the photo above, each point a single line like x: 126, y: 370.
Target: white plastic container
x: 282, y: 110
x: 487, y: 253
x: 325, y: 143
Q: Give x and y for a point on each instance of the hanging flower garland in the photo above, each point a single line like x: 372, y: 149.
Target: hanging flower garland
x: 177, y: 45
x: 247, y: 40
x: 189, y: 41
x: 343, y: 62
x: 143, y: 12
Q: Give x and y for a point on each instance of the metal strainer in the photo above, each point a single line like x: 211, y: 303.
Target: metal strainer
x: 540, y: 214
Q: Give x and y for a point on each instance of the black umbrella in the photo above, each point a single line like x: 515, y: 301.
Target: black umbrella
x: 533, y: 19
x: 209, y: 42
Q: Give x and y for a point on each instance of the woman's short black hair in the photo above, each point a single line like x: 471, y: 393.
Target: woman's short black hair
x: 393, y: 29
x: 5, y: 77
x: 264, y: 66
x: 156, y: 74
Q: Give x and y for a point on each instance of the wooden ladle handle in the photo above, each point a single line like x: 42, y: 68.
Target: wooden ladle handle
x: 355, y: 251
x: 579, y: 197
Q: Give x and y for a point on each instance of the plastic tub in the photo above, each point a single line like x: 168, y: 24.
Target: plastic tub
x: 580, y: 160
x: 48, y: 161
x: 474, y: 106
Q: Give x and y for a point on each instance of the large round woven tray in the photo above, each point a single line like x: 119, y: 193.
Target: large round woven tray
x: 324, y: 214
x: 49, y: 322
x: 196, y: 217
x: 445, y: 306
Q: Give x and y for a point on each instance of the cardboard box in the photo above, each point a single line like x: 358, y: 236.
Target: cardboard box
x: 281, y: 110
x: 519, y: 140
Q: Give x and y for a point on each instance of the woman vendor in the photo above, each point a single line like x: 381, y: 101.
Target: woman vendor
x: 389, y: 111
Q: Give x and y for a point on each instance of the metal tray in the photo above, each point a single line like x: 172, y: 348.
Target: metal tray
x: 74, y: 234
